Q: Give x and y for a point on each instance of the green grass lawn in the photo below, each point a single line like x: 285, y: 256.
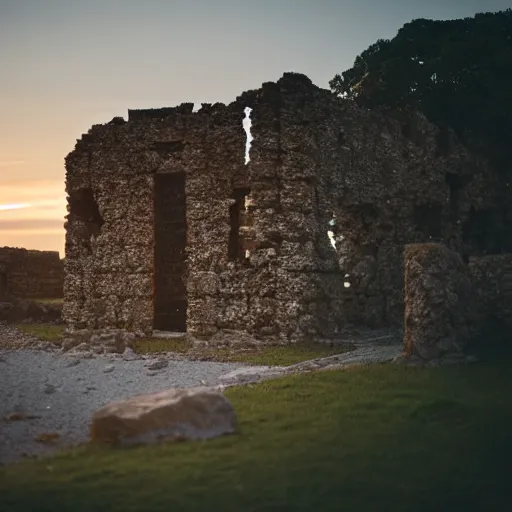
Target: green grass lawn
x: 380, y: 438
x: 46, y: 332
x: 273, y: 355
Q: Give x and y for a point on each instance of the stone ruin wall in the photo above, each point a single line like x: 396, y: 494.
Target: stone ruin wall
x: 30, y: 274
x: 388, y: 181
x: 450, y: 303
x: 439, y: 305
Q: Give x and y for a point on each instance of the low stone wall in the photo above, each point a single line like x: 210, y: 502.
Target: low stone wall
x: 30, y: 274
x: 438, y: 301
x: 15, y: 310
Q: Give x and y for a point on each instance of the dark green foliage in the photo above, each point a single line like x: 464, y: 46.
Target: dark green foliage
x: 458, y: 72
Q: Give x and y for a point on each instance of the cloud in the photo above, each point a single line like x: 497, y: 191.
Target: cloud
x: 10, y: 163
x: 48, y: 204
x: 14, y: 206
x: 30, y: 224
x: 35, y: 193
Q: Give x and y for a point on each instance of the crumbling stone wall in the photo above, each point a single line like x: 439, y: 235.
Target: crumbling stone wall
x: 439, y: 303
x: 257, y: 255
x: 450, y: 303
x: 30, y: 274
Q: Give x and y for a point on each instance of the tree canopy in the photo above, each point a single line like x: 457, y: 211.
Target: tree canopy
x: 457, y: 72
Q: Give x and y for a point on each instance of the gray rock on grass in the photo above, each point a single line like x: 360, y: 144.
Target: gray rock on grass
x: 171, y: 415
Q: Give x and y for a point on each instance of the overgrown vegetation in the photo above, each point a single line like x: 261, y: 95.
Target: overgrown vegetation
x: 280, y: 355
x: 457, y: 72
x: 46, y: 332
x: 57, y: 302
x: 372, y: 438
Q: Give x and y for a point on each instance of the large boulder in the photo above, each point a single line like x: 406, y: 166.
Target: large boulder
x: 171, y: 415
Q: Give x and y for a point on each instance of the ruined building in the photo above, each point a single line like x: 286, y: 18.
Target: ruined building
x: 30, y: 274
x: 170, y: 229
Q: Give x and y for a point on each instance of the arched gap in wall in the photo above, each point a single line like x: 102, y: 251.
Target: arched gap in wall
x: 83, y: 207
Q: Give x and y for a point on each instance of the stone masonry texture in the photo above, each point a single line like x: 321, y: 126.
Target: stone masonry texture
x: 227, y: 246
x: 30, y: 274
x: 439, y: 304
x: 449, y: 304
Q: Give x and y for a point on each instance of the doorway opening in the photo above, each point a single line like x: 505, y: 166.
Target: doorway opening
x: 170, y: 286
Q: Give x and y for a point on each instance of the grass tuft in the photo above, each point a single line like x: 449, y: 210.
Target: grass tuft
x: 57, y: 301
x: 177, y: 345
x: 46, y: 332
x: 271, y: 355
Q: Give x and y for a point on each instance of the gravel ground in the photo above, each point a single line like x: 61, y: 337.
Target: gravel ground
x: 53, y: 394
x: 62, y: 391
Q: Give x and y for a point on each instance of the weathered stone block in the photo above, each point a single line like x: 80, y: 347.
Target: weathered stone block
x: 31, y: 274
x: 438, y: 301
x: 172, y: 415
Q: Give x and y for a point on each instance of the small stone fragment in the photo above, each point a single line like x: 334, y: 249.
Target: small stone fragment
x: 82, y: 347
x: 68, y: 344
x: 47, y: 437
x: 20, y: 416
x: 49, y: 389
x: 109, y: 368
x: 158, y: 365
x: 130, y: 355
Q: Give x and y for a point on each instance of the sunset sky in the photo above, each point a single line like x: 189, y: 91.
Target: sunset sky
x: 68, y: 64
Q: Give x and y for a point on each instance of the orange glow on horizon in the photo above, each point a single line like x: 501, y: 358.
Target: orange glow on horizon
x: 32, y: 211
x: 14, y: 206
